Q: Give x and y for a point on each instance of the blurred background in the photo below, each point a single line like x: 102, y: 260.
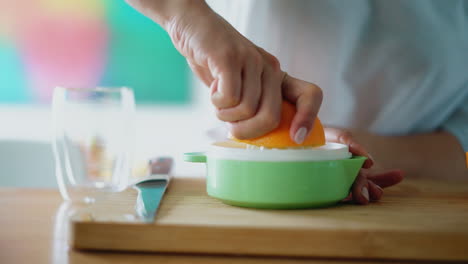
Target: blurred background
x: 89, y: 43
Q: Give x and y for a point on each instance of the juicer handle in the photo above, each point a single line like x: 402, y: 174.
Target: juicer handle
x: 199, y: 157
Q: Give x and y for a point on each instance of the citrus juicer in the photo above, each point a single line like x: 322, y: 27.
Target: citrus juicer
x: 310, y: 177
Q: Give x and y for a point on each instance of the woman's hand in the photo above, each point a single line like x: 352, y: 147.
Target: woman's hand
x: 247, y: 83
x: 369, y: 183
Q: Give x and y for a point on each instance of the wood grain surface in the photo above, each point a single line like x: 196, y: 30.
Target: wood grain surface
x: 33, y: 229
x: 419, y: 220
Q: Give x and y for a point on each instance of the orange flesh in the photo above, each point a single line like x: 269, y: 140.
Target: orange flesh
x: 279, y: 138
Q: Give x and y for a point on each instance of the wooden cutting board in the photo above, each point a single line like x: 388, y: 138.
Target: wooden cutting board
x: 416, y: 220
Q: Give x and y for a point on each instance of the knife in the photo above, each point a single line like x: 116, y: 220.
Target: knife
x: 151, y: 189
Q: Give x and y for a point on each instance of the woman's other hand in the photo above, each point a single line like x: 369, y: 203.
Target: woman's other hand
x: 370, y: 182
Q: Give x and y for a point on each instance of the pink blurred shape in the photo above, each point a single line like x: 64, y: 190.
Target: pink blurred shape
x: 60, y: 51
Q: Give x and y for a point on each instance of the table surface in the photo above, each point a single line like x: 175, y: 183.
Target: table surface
x: 33, y: 230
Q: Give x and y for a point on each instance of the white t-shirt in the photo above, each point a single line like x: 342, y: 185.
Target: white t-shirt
x: 391, y: 67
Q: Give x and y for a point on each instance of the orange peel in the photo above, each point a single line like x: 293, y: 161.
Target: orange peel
x: 280, y: 138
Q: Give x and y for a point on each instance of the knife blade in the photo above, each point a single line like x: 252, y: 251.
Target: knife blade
x: 151, y: 189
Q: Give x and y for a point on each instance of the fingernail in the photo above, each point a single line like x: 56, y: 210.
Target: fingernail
x: 370, y: 156
x: 214, y: 87
x: 300, y: 135
x: 365, y: 193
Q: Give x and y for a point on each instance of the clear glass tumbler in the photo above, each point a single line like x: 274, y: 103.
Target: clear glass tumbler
x: 93, y: 140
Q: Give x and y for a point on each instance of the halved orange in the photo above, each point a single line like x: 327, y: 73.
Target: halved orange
x: 279, y: 137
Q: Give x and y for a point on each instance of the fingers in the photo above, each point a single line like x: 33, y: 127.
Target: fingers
x: 348, y: 198
x: 388, y: 178
x: 268, y: 115
x: 368, y: 187
x: 308, y: 98
x: 375, y: 191
x: 228, y: 92
x: 214, y: 86
x: 345, y: 137
x: 364, y: 190
x: 252, y: 102
x: 360, y: 189
x: 251, y: 93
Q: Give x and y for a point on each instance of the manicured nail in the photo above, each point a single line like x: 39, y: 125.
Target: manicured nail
x: 301, y: 133
x: 378, y: 187
x: 365, y: 193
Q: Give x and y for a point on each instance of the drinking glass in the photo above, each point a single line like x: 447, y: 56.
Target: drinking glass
x: 93, y: 139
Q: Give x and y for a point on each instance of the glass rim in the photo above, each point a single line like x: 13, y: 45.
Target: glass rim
x: 103, y: 89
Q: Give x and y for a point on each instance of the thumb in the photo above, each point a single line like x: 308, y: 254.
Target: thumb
x: 307, y: 97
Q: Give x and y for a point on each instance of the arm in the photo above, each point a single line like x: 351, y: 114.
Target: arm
x: 436, y: 155
x: 168, y: 12
x: 247, y: 83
